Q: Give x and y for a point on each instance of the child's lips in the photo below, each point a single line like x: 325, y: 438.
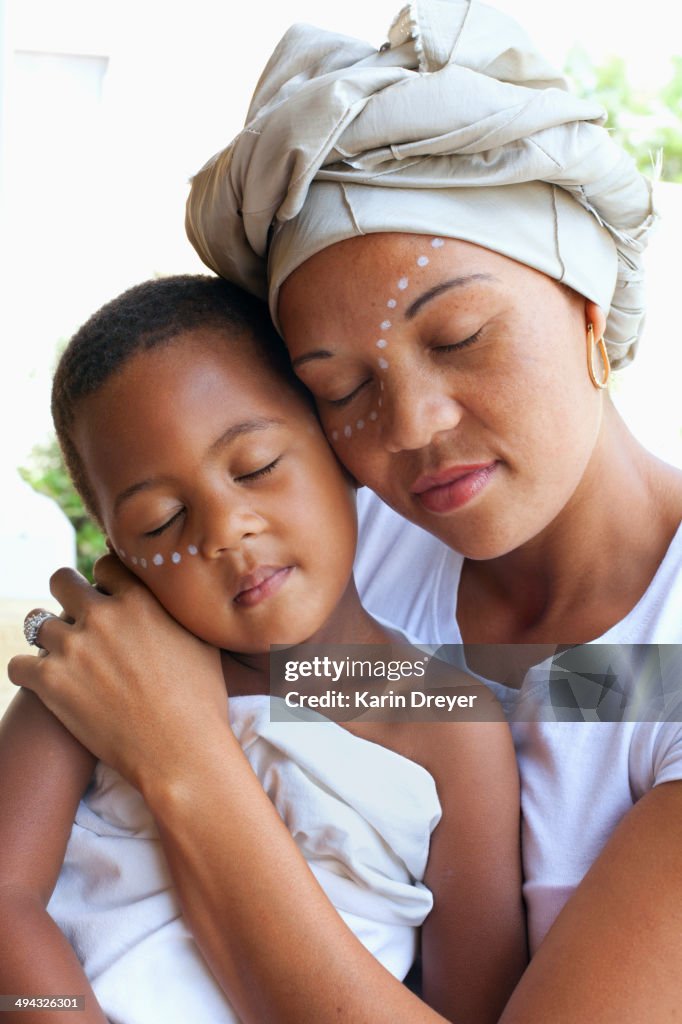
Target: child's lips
x: 265, y: 581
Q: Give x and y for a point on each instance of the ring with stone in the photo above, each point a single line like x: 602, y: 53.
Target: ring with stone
x: 32, y: 624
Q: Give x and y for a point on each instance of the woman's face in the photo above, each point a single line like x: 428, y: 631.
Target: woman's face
x: 217, y: 488
x: 449, y: 379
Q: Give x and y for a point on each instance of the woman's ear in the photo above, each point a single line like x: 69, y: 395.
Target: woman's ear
x: 596, y: 316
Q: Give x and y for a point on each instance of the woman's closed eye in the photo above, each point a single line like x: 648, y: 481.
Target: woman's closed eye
x: 340, y: 402
x: 459, y: 345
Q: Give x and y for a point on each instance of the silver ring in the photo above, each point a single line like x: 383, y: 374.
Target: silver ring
x: 32, y: 624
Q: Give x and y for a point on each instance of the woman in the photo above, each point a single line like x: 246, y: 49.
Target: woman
x: 446, y: 238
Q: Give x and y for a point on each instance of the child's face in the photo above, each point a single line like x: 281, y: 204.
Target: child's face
x: 217, y: 488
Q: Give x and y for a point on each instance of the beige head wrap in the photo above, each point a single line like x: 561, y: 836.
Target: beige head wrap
x: 456, y: 127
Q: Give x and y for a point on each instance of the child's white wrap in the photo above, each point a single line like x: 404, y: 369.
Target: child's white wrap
x: 361, y: 815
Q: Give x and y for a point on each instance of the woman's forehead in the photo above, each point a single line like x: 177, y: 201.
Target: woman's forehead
x: 389, y: 273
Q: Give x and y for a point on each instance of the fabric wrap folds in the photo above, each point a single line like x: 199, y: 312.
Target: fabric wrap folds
x: 456, y: 127
x: 361, y: 815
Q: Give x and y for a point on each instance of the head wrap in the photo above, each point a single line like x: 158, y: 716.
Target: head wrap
x: 455, y: 127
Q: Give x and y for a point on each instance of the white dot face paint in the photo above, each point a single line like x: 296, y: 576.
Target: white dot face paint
x: 347, y: 431
x: 437, y: 243
x: 192, y: 549
x: 374, y: 415
x: 392, y: 303
x: 382, y: 343
x: 403, y: 283
x: 143, y: 563
x: 360, y: 424
x: 385, y: 325
x: 422, y: 261
x: 121, y: 553
x: 176, y: 557
x: 157, y: 559
x: 380, y: 403
x: 134, y: 560
x: 383, y: 365
x: 335, y: 435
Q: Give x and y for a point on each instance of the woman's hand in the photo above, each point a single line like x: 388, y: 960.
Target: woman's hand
x: 123, y: 676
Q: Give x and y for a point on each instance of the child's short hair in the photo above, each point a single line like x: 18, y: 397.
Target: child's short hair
x: 151, y: 314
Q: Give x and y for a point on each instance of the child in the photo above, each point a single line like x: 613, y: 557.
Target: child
x: 202, y: 458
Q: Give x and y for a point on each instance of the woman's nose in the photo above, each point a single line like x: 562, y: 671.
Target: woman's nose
x: 413, y: 414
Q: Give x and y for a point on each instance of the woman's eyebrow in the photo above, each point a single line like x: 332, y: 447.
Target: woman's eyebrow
x: 410, y: 312
x: 236, y: 430
x: 432, y: 293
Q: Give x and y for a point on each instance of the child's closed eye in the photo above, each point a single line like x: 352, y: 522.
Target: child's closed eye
x: 258, y: 473
x: 164, y: 526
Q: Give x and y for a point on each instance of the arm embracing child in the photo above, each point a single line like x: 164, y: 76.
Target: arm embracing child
x: 201, y: 457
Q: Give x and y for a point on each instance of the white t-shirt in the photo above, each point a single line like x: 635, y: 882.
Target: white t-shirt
x: 578, y: 778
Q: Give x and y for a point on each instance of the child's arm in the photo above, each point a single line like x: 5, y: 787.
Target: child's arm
x: 43, y: 773
x: 474, y: 940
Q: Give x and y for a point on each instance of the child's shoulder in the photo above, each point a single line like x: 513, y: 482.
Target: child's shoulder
x: 448, y: 722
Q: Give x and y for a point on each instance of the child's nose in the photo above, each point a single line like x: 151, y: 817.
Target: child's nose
x: 226, y: 527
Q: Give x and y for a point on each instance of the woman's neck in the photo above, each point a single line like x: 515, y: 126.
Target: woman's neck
x: 349, y: 623
x: 592, y: 564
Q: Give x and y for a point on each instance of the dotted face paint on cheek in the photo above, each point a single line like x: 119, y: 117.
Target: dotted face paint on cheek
x: 176, y: 557
x: 192, y: 549
x: 382, y: 344
x: 157, y: 559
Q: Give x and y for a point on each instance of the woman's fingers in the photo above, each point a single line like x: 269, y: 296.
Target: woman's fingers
x: 73, y: 592
x: 44, y: 630
x: 23, y: 670
x: 76, y: 595
x: 123, y: 676
x: 112, y: 577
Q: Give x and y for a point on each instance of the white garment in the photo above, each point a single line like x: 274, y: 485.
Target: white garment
x: 578, y: 779
x: 361, y: 815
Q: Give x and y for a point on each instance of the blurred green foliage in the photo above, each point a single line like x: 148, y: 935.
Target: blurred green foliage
x: 645, y: 123
x: 47, y: 474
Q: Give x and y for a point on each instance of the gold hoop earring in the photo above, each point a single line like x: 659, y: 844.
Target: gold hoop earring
x: 601, y: 348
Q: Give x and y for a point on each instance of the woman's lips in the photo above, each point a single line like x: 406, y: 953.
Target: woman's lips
x: 264, y: 582
x: 452, y: 488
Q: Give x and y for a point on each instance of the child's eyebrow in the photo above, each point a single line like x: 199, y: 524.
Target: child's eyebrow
x: 247, y: 427
x: 229, y: 435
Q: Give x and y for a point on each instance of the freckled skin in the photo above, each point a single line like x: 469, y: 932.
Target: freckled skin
x: 157, y: 419
x: 510, y: 398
